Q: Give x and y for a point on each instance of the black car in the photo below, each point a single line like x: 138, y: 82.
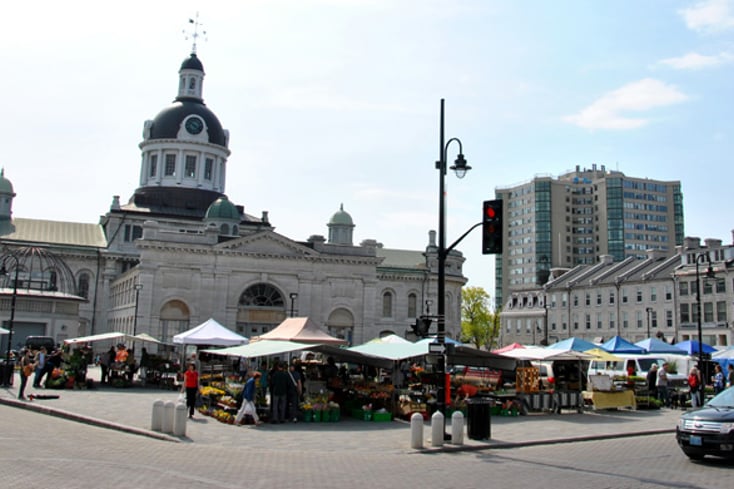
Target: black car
x: 708, y: 430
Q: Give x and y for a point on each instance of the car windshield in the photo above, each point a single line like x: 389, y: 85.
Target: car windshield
x: 646, y: 363
x: 725, y: 399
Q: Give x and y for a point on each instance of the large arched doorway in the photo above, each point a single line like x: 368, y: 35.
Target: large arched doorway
x: 175, y: 319
x: 261, y: 307
x: 341, y: 324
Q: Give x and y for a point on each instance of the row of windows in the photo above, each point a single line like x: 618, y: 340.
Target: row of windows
x: 190, y: 166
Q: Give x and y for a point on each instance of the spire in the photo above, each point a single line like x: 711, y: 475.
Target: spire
x: 194, y: 33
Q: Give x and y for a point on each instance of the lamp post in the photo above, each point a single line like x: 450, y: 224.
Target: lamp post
x: 709, y: 273
x: 293, y: 296
x: 8, y: 372
x: 460, y: 168
x: 648, y: 310
x: 545, y: 316
x: 135, y: 319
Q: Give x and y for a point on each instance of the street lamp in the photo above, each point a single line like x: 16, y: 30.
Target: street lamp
x: 460, y: 168
x: 545, y: 315
x: 293, y: 296
x: 709, y: 273
x: 135, y: 319
x: 8, y: 372
x: 648, y: 310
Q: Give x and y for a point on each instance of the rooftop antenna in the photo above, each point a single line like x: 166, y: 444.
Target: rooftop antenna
x: 194, y: 34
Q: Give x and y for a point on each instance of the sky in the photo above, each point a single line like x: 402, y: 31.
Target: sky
x: 332, y: 102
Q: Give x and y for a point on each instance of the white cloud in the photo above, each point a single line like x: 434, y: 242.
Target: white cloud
x: 608, y: 111
x: 709, y: 15
x: 695, y: 61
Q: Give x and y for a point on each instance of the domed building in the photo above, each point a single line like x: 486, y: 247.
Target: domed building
x: 179, y: 252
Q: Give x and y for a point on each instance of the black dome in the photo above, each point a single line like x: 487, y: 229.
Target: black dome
x: 168, y: 121
x: 192, y: 63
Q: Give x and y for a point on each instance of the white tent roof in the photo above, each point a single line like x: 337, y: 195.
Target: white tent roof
x: 96, y: 337
x: 209, y: 332
x: 535, y: 353
x: 260, y: 349
x: 302, y: 330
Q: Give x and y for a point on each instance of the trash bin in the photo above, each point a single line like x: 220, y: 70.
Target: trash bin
x: 478, y: 422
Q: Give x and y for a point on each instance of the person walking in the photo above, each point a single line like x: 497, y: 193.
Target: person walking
x: 279, y: 381
x: 248, y: 399
x: 730, y: 376
x: 27, y: 366
x: 191, y: 387
x: 718, y: 379
x: 694, y: 385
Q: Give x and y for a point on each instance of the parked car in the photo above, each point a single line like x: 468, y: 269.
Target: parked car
x: 708, y: 430
x: 36, y: 342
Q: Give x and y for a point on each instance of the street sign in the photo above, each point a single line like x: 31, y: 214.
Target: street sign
x: 436, y: 348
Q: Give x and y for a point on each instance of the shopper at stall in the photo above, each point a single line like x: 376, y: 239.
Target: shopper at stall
x: 121, y: 354
x: 279, y: 381
x: 40, y: 363
x: 27, y: 366
x: 191, y: 387
x: 652, y: 380
x: 718, y: 379
x: 104, y: 365
x: 730, y: 376
x: 264, y: 390
x: 144, y: 364
x: 662, y: 385
x: 295, y: 389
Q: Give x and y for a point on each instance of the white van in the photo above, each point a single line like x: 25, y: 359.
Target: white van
x: 642, y: 364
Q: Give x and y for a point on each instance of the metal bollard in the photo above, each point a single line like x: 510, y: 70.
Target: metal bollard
x: 437, y: 429
x: 457, y: 428
x: 167, y: 426
x: 416, y: 431
x: 156, y: 419
x: 179, y: 420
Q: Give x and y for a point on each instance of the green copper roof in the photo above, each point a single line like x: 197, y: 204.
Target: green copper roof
x: 222, y: 208
x: 53, y: 232
x: 5, y: 186
x: 341, y: 217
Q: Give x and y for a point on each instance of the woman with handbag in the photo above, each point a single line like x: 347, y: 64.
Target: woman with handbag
x: 27, y: 366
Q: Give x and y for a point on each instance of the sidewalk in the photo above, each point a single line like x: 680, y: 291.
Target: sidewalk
x: 130, y: 410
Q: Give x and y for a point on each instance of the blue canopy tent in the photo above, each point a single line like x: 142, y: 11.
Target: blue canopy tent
x: 654, y: 345
x: 691, y: 347
x: 575, y: 344
x: 617, y: 344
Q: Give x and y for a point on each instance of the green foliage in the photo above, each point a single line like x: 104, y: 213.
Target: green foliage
x: 479, y: 325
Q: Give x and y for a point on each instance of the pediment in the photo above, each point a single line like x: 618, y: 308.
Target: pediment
x: 267, y: 243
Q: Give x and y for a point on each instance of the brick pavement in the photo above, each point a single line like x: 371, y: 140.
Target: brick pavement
x: 130, y: 410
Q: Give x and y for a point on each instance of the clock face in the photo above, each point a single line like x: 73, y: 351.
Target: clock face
x: 194, y: 125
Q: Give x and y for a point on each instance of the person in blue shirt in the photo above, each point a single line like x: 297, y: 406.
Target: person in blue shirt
x: 248, y: 399
x: 718, y: 379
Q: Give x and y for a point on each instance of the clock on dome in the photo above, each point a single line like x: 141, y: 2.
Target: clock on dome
x: 194, y: 125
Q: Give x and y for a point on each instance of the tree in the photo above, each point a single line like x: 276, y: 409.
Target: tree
x: 479, y: 325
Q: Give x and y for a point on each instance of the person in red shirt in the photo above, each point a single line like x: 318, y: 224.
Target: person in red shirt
x: 191, y: 386
x: 694, y: 383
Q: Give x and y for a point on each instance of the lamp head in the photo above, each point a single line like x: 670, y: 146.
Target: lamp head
x: 460, y: 167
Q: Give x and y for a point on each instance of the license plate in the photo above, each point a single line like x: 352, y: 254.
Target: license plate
x: 695, y: 441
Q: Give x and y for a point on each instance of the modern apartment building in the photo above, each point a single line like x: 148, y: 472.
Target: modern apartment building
x: 577, y: 218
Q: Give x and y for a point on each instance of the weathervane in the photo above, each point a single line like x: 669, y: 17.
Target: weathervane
x: 195, y: 34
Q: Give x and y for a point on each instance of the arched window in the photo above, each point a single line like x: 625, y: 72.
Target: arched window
x: 224, y: 229
x: 387, y: 304
x: 412, y: 305
x: 192, y: 83
x: 262, y: 295
x: 82, y: 287
x: 174, y: 320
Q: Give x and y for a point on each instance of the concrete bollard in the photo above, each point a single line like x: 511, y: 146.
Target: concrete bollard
x: 167, y: 425
x: 179, y: 419
x: 156, y: 419
x: 437, y: 429
x: 416, y: 431
x: 457, y: 428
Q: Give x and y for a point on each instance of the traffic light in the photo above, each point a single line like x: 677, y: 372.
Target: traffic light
x: 421, y: 326
x: 492, y: 227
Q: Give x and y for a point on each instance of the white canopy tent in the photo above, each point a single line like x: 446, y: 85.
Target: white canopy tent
x: 210, y: 332
x: 111, y: 336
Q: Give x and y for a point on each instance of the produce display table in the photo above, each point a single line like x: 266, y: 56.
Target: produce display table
x: 611, y: 399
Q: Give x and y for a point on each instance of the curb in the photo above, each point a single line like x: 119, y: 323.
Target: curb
x: 60, y: 413
x: 533, y: 443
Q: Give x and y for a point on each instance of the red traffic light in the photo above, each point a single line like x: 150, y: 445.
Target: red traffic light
x: 491, y: 212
